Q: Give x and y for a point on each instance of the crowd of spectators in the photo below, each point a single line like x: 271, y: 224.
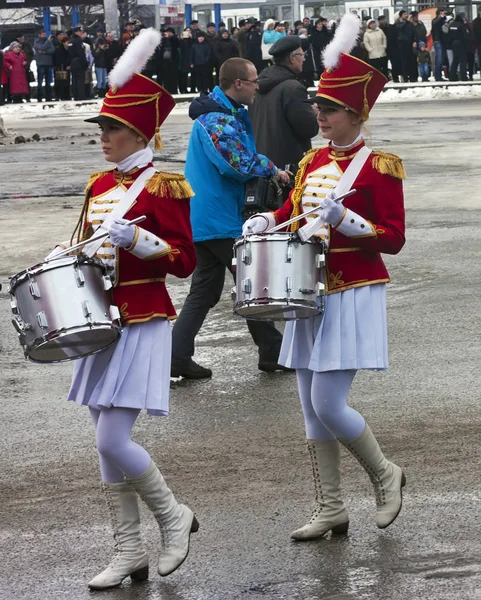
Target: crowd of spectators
x: 190, y: 62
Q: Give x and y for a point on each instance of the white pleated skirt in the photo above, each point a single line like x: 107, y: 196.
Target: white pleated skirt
x: 134, y: 373
x: 352, y: 334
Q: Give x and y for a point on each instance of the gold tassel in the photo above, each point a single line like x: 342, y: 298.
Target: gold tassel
x: 388, y: 164
x: 158, y: 140
x: 296, y: 198
x: 169, y: 184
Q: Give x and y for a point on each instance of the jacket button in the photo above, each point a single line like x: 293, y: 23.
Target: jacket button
x: 157, y: 243
x: 352, y: 220
x: 362, y: 226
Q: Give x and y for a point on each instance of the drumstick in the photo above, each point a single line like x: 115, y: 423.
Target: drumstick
x: 94, y: 238
x: 304, y: 214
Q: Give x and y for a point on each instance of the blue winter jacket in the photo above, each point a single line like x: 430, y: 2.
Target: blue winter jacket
x: 221, y: 157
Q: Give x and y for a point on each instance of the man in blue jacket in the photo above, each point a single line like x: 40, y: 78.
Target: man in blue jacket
x: 44, y: 51
x: 221, y: 157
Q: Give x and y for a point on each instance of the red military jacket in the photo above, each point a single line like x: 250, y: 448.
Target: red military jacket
x: 139, y: 284
x: 354, y: 258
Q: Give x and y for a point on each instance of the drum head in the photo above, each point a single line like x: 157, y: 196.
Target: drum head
x: 276, y: 311
x: 74, y: 344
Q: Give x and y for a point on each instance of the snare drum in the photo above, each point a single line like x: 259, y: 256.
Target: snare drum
x: 63, y: 309
x: 278, y: 278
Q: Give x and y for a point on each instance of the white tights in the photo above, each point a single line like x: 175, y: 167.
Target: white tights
x: 118, y: 454
x: 327, y: 415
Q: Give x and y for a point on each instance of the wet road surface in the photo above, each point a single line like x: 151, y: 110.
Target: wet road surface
x: 233, y: 447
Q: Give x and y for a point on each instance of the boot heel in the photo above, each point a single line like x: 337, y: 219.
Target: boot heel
x: 195, y: 525
x: 141, y: 574
x: 340, y: 529
x: 403, y: 480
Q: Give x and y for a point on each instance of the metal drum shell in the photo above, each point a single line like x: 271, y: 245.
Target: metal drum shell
x: 278, y: 278
x: 63, y: 309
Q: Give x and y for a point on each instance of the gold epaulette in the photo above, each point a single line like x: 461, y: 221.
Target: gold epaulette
x: 169, y: 184
x: 93, y: 178
x: 296, y: 197
x: 388, y: 164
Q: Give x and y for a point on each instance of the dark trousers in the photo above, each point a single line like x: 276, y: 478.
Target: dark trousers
x: 380, y: 64
x: 459, y: 59
x: 169, y: 76
x: 183, y: 77
x: 202, y: 75
x: 213, y: 257
x: 409, y: 69
x: 44, y: 73
x: 78, y: 84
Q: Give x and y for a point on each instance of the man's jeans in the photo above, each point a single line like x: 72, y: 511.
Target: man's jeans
x: 101, y: 78
x: 47, y: 74
x: 438, y: 61
x: 213, y: 257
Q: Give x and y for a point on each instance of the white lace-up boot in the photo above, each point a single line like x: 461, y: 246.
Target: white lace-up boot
x: 386, y: 477
x: 129, y: 558
x: 329, y: 513
x: 175, y: 520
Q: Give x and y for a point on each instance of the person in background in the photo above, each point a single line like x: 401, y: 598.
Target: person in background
x: 114, y: 51
x: 194, y: 30
x: 100, y: 37
x: 424, y: 61
x: 221, y: 157
x: 62, y: 70
x: 15, y: 63
x: 280, y: 106
x: 375, y: 43
x: 211, y: 38
x: 254, y: 46
x: 297, y: 26
x: 306, y: 23
x: 460, y: 37
x: 101, y: 65
x: 235, y: 33
x: 407, y: 45
x: 30, y: 54
x: 419, y: 27
x: 447, y: 40
x: 245, y: 26
x: 200, y: 60
x: 225, y: 48
x: 309, y: 73
x: 185, y: 47
x: 88, y: 44
x: 128, y: 34
x: 437, y: 36
x: 477, y: 35
x: 78, y: 63
x: 44, y: 51
x: 319, y: 39
x: 169, y: 60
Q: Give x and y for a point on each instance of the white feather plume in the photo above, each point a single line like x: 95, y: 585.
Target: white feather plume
x: 135, y: 57
x: 344, y: 41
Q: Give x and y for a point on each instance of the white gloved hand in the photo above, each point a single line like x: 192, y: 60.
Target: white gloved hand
x: 259, y: 223
x: 122, y: 235
x: 331, y: 211
x: 54, y: 252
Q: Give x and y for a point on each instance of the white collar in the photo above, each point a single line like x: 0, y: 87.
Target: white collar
x: 356, y: 141
x: 138, y: 159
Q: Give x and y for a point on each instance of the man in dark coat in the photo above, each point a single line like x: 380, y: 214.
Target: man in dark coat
x: 78, y: 63
x: 477, y: 34
x: 114, y: 51
x: 283, y: 123
x: 319, y: 38
x: 253, y: 46
x: 406, y: 42
x: 169, y: 61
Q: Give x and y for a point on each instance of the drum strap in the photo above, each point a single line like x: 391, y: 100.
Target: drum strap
x: 120, y: 210
x: 344, y: 185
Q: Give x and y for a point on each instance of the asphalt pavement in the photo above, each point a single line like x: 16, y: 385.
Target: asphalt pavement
x: 233, y: 447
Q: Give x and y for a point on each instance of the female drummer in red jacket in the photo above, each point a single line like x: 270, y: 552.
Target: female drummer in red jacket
x: 327, y: 352
x: 117, y: 383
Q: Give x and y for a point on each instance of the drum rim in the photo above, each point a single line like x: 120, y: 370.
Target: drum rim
x: 264, y: 237
x: 53, y: 335
x: 43, y: 267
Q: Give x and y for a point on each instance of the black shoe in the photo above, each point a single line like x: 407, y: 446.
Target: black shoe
x: 269, y: 366
x: 190, y: 370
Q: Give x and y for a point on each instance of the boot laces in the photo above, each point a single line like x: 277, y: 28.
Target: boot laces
x: 320, y: 505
